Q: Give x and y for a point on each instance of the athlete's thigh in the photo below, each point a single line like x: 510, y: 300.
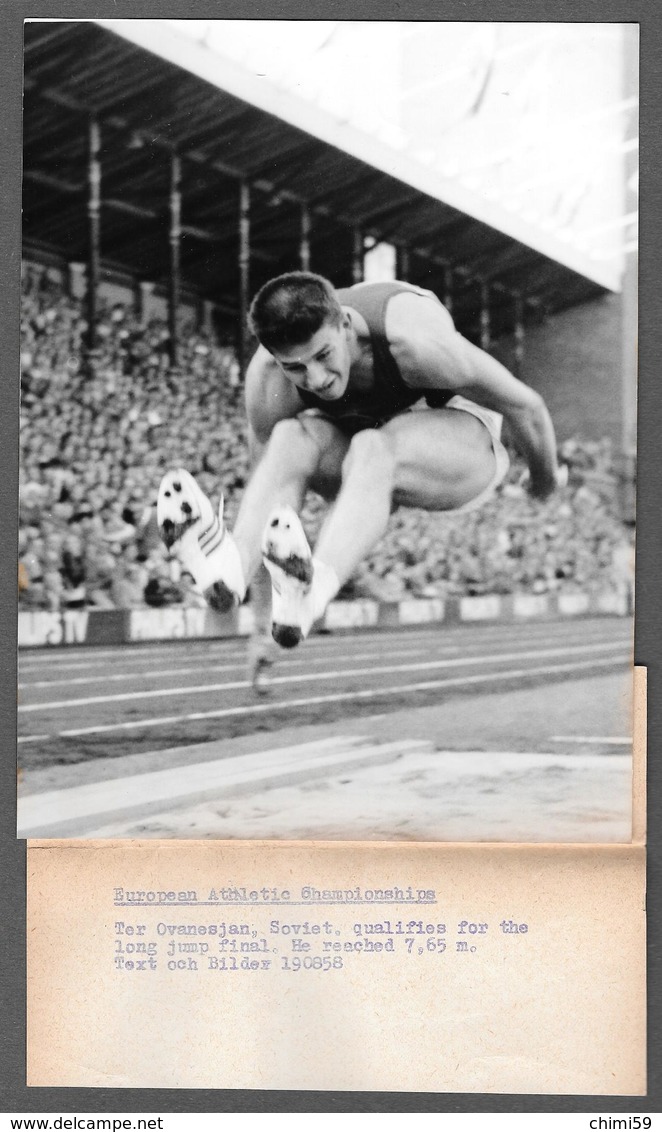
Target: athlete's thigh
x: 443, y: 458
x: 333, y: 445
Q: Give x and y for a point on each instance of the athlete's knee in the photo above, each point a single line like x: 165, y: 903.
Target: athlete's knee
x: 371, y: 456
x: 293, y: 445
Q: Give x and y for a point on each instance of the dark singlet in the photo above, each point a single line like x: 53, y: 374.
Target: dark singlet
x: 389, y: 395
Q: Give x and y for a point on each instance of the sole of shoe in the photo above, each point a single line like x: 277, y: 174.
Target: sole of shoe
x: 220, y: 598
x: 180, y: 505
x: 291, y: 576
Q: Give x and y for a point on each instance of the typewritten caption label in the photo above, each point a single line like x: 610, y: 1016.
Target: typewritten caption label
x: 327, y: 962
x: 257, y: 941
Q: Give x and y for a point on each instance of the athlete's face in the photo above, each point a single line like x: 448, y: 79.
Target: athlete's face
x: 321, y: 365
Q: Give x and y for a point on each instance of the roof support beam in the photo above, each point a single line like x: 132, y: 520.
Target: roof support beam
x: 57, y: 31
x: 199, y: 158
x: 478, y: 264
x: 72, y: 188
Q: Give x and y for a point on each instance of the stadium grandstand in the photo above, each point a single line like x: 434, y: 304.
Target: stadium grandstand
x: 163, y: 184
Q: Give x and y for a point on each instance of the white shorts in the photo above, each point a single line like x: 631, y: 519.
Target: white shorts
x: 492, y: 422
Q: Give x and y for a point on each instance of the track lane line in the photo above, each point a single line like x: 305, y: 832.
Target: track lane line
x: 116, y: 677
x: 338, y: 674
x: 417, y: 643
x: 608, y: 740
x: 193, y: 668
x: 337, y: 697
x: 136, y: 652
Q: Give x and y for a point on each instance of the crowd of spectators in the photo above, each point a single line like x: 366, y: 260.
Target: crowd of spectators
x: 97, y: 436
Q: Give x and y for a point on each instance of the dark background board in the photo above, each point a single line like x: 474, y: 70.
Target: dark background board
x: 15, y: 1097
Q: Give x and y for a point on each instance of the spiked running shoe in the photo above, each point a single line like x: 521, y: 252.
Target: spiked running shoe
x: 190, y: 529
x: 288, y: 559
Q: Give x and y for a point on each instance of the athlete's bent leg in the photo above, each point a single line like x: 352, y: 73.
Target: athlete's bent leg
x: 361, y: 512
x: 303, y: 585
x: 286, y: 554
x: 444, y: 458
x: 300, y: 452
x: 437, y: 459
x: 440, y: 460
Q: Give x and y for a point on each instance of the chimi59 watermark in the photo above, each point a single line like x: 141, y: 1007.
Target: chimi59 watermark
x: 610, y: 1123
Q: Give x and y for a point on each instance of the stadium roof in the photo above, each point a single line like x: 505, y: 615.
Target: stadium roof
x: 228, y: 129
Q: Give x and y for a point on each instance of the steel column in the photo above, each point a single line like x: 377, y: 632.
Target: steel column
x: 357, y: 256
x: 94, y: 228
x: 485, y: 325
x: 304, y: 242
x: 402, y: 264
x: 448, y: 288
x: 174, y: 281
x: 244, y: 273
x: 145, y: 292
x: 519, y: 336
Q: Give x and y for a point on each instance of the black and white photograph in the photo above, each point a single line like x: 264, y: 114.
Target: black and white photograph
x: 328, y: 430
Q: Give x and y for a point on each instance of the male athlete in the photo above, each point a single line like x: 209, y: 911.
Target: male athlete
x: 330, y: 396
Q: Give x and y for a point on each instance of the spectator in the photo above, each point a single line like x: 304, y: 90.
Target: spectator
x: 94, y: 448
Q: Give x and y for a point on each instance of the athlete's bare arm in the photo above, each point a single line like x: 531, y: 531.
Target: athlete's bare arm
x: 270, y: 398
x: 431, y: 354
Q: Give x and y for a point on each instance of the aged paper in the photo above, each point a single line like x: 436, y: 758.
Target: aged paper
x: 639, y: 753
x: 309, y: 966
x: 411, y: 967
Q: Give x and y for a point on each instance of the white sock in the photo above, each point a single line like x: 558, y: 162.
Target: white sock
x: 324, y: 587
x: 294, y: 605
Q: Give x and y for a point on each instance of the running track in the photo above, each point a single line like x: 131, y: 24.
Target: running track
x: 79, y: 704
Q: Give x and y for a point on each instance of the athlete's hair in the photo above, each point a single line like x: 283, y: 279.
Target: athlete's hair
x: 288, y: 310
